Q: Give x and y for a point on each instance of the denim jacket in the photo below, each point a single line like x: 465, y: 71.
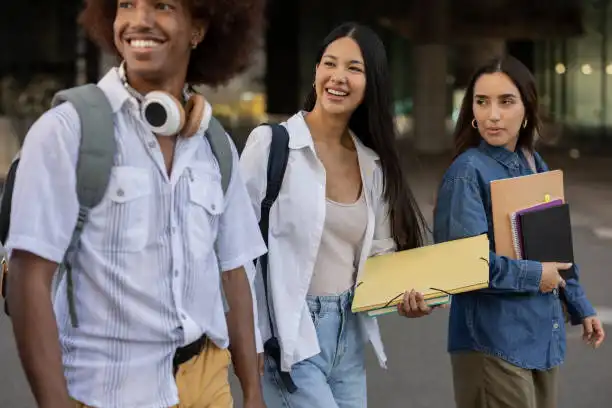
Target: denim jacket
x: 511, y: 319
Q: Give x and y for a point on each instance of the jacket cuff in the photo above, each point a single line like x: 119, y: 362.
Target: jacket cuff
x: 579, y: 309
x: 531, y: 276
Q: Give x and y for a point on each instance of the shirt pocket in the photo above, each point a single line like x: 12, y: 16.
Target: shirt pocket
x: 206, y: 204
x: 121, y: 222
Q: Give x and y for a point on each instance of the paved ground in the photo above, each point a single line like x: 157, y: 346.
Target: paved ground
x: 419, y: 372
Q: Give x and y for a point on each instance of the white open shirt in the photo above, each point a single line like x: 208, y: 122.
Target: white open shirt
x: 296, y: 225
x: 146, y: 278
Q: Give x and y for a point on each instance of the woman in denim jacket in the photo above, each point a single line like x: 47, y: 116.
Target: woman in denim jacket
x: 507, y: 341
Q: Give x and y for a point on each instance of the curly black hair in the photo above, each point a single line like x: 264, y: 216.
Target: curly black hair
x: 233, y: 34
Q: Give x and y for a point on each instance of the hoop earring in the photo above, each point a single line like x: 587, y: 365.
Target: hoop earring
x: 474, y: 123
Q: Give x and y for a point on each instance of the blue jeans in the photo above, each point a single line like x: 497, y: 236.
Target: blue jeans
x: 335, y: 378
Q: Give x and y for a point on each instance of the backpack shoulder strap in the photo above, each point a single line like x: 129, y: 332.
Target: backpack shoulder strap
x: 94, y: 165
x: 98, y: 145
x: 221, y: 148
x: 277, y: 164
x: 6, y: 200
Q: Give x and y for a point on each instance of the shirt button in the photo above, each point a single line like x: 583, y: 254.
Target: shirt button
x: 556, y: 325
x: 152, y: 145
x: 120, y: 192
x: 213, y: 207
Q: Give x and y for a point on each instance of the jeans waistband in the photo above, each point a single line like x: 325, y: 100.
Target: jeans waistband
x: 330, y: 303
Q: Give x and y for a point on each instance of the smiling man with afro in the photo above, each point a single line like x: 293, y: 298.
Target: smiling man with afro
x: 145, y: 278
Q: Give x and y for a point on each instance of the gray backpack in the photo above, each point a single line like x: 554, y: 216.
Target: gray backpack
x: 94, y: 165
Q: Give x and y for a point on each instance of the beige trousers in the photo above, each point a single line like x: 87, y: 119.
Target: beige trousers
x: 484, y: 381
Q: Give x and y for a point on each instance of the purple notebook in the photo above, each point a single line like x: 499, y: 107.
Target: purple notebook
x: 516, y: 224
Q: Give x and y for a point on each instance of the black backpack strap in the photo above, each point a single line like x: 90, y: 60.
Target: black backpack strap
x: 5, y: 220
x: 277, y: 164
x: 6, y: 200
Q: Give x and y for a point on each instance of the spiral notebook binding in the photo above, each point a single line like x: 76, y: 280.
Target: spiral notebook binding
x: 516, y: 239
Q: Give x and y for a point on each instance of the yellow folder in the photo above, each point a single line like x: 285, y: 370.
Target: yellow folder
x: 434, y: 270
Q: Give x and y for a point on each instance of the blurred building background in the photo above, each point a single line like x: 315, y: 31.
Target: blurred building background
x: 433, y: 46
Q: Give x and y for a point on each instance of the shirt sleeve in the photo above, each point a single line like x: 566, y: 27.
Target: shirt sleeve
x: 253, y: 166
x: 460, y: 213
x: 239, y: 240
x: 578, y: 306
x: 45, y: 204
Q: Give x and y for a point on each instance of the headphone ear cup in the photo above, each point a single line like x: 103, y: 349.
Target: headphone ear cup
x: 194, y: 111
x: 163, y: 113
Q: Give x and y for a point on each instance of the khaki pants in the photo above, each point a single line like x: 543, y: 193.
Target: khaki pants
x: 203, y: 381
x: 484, y: 381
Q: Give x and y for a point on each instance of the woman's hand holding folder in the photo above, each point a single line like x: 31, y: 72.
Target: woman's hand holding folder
x: 413, y: 305
x: 551, y: 278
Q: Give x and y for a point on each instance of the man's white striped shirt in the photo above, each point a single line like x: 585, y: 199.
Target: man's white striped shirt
x: 146, y: 277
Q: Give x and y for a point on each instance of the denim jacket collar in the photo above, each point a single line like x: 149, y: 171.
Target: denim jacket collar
x: 505, y: 157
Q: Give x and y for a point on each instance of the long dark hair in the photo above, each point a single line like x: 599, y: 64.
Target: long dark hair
x: 372, y: 122
x: 466, y: 136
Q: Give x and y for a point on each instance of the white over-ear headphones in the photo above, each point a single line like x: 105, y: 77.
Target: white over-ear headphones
x: 164, y: 114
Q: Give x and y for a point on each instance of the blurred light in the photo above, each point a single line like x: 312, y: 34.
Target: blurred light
x: 247, y: 96
x: 586, y: 69
x: 574, y: 154
x: 609, y: 69
x: 385, y: 22
x: 560, y: 68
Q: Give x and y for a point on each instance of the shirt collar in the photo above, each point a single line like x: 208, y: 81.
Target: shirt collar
x: 301, y: 137
x: 115, y: 91
x: 502, y: 155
